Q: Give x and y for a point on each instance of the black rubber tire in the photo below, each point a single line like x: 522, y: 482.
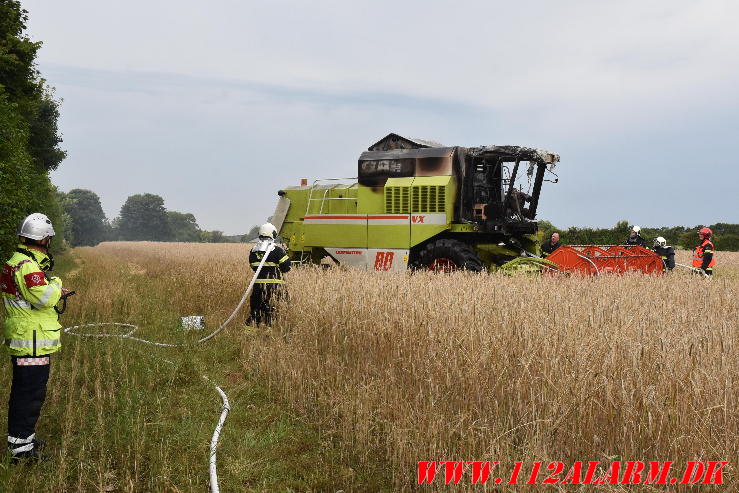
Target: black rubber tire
x: 461, y: 254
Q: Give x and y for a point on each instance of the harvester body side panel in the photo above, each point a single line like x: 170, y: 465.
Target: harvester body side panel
x: 344, y: 230
x: 332, y: 217
x: 389, y: 221
x: 432, y: 206
x: 380, y: 259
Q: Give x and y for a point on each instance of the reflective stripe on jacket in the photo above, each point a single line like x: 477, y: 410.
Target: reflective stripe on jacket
x: 704, y: 254
x: 276, y: 264
x: 31, y: 325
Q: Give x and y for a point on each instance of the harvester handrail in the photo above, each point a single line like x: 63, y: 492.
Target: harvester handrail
x: 313, y: 187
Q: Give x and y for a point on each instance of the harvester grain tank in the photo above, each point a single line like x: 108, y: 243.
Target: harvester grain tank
x: 419, y: 204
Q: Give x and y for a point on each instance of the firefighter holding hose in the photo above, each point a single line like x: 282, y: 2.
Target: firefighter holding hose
x: 31, y: 331
x: 667, y: 253
x: 703, y: 255
x: 269, y: 285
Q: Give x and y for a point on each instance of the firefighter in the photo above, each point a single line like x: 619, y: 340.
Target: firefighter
x: 704, y: 255
x: 635, y: 238
x: 270, y: 283
x: 666, y: 252
x: 550, y: 246
x: 31, y: 331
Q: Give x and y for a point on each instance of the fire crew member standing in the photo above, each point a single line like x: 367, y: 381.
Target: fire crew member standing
x: 666, y: 252
x: 635, y: 238
x: 31, y: 331
x: 270, y: 282
x: 703, y: 255
x: 548, y: 247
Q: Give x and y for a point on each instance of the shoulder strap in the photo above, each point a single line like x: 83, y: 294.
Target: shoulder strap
x: 27, y: 253
x: 44, y: 265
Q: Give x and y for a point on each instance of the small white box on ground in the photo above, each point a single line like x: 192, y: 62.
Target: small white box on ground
x: 193, y: 322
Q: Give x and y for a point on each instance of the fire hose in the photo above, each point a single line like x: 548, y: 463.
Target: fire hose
x: 225, y: 407
x: 694, y: 270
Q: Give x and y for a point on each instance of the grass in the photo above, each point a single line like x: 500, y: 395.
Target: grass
x: 120, y: 418
x: 364, y: 374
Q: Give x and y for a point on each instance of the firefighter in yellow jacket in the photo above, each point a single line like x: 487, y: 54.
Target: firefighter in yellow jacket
x: 270, y: 282
x: 31, y: 331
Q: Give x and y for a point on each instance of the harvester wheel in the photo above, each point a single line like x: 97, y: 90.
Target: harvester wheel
x: 448, y: 255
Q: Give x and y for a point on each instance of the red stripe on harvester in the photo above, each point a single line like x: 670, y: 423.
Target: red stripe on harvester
x: 355, y: 217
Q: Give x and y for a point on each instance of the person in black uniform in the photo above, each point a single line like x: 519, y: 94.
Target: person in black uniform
x: 549, y: 246
x: 666, y: 252
x: 270, y: 283
x: 635, y: 238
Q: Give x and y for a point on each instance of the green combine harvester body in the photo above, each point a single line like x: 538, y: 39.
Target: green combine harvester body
x: 417, y: 204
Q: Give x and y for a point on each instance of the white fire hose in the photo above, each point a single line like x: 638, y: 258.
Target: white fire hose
x: 226, y: 407
x: 693, y: 269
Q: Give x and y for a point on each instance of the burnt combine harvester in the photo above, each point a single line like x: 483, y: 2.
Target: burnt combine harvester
x: 421, y: 205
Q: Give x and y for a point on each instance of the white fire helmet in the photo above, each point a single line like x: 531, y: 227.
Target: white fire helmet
x: 35, y: 227
x: 267, y: 230
x: 636, y: 229
x: 660, y: 242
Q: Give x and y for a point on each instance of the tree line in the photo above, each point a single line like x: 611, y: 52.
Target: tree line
x: 143, y: 217
x: 726, y: 236
x: 29, y: 135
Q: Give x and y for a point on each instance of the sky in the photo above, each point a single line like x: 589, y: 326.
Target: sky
x: 217, y: 105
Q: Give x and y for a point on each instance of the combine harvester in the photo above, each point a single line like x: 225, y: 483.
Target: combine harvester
x: 420, y: 205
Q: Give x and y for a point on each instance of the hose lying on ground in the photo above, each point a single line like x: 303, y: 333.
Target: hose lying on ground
x: 226, y: 407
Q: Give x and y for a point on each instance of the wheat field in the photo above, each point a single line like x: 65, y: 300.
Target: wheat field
x: 389, y: 369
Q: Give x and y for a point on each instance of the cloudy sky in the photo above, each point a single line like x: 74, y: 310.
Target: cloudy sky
x: 217, y: 105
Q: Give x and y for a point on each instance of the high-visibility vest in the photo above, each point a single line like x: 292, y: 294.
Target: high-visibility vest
x: 703, y: 248
x: 31, y: 325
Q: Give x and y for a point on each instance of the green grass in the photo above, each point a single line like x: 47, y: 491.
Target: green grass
x: 119, y: 418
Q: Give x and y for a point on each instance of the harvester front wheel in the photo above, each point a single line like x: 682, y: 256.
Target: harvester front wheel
x: 448, y: 255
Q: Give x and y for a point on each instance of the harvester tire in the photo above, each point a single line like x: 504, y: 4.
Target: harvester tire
x: 447, y: 255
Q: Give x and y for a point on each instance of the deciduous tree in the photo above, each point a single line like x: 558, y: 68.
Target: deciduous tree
x: 87, y: 217
x: 144, y: 218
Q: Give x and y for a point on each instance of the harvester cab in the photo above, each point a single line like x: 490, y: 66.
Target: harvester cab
x: 420, y: 204
x: 493, y: 196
